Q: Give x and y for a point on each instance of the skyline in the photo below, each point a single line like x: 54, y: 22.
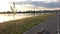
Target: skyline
x: 24, y: 5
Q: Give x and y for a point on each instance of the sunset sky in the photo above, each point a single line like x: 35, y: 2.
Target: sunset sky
x: 23, y: 5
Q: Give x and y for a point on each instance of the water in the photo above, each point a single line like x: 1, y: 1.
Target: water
x: 8, y: 17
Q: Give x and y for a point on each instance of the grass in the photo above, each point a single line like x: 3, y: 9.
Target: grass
x: 22, y: 25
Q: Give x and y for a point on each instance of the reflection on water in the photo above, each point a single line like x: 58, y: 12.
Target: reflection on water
x: 8, y: 17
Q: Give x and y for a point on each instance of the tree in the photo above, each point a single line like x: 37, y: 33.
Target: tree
x: 13, y: 9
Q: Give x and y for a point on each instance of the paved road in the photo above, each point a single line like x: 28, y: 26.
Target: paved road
x: 51, y: 25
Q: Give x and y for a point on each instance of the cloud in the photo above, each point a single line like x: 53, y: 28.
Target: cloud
x: 58, y: 0
x: 40, y: 4
x: 51, y: 5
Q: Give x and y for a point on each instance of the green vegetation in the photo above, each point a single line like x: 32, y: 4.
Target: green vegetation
x: 22, y: 25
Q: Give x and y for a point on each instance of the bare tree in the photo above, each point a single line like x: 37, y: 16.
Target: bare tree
x: 13, y: 9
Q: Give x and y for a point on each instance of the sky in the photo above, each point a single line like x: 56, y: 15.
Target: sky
x: 24, y: 5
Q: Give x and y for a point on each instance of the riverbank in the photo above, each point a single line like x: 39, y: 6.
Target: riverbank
x: 22, y: 25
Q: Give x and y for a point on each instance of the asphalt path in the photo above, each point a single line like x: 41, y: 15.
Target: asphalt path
x: 58, y: 23
x: 52, y: 25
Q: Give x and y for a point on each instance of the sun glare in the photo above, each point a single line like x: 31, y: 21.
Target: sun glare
x: 4, y: 5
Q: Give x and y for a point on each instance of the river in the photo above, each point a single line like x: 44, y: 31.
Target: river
x: 8, y: 17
